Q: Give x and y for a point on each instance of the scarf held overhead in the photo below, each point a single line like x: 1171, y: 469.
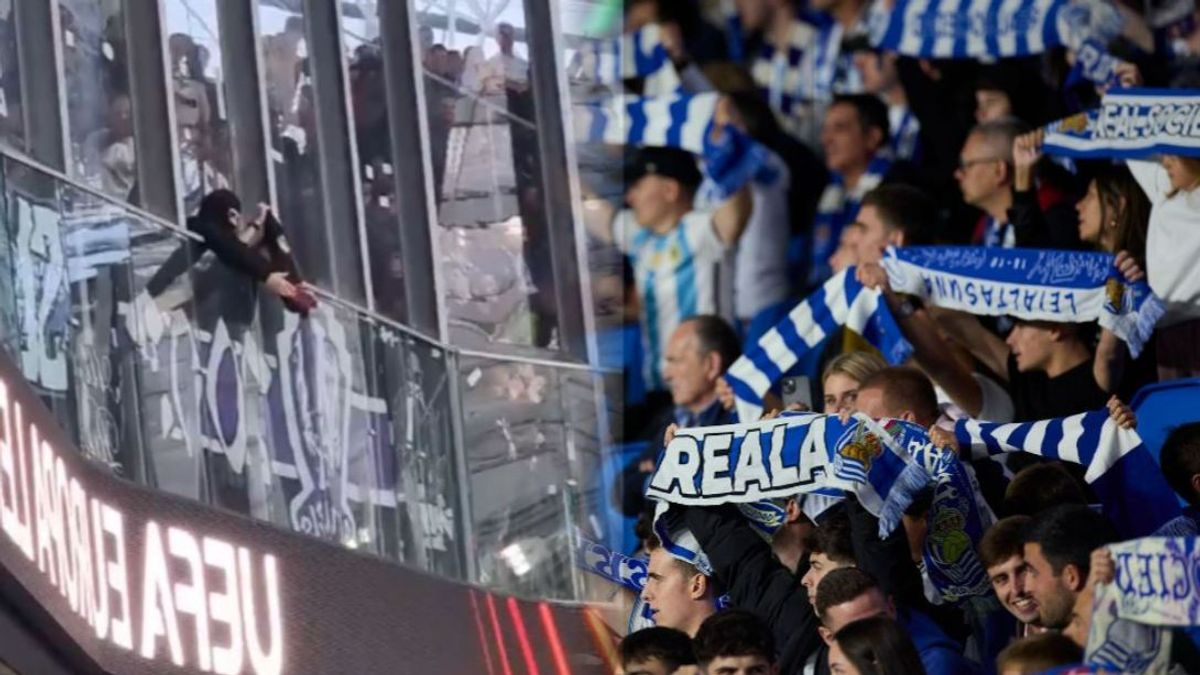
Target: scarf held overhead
x: 842, y: 301
x: 1157, y: 585
x: 884, y: 464
x: 949, y: 29
x: 1131, y: 124
x: 1031, y: 284
x: 1122, y: 472
x: 640, y: 53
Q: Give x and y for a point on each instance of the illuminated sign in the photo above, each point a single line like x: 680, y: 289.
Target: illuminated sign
x: 146, y: 582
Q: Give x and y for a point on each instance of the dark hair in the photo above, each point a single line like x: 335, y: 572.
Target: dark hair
x: 1002, y: 541
x: 879, y: 646
x: 872, y: 112
x: 733, y: 632
x: 1115, y: 183
x: 1039, y: 487
x: 1180, y: 460
x: 1021, y: 85
x: 1068, y: 534
x: 905, y: 387
x: 905, y: 208
x: 215, y: 206
x: 672, y: 647
x: 714, y: 334
x: 841, y: 586
x: 832, y: 538
x: 1039, y: 652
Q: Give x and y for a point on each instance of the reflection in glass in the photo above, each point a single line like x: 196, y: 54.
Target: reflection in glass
x: 12, y: 126
x: 293, y: 133
x: 198, y: 97
x: 381, y: 203
x: 517, y: 451
x: 487, y: 180
x: 99, y: 107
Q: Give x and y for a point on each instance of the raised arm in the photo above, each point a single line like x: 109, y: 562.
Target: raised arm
x: 731, y: 217
x: 930, y: 350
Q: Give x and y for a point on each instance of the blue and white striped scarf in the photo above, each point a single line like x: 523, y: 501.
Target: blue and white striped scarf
x: 1156, y: 587
x: 839, y: 207
x: 1131, y: 124
x: 1122, y: 472
x: 970, y: 29
x: 780, y: 73
x: 1030, y: 284
x: 683, y: 121
x: 832, y: 71
x: 885, y: 464
x: 842, y: 301
x: 1062, y: 286
x: 637, y: 54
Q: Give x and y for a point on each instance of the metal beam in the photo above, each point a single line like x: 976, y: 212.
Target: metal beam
x: 413, y: 176
x: 335, y: 162
x: 153, y: 116
x: 39, y: 58
x: 245, y: 101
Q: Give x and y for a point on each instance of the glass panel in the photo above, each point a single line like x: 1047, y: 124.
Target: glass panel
x: 99, y: 108
x: 12, y: 126
x: 198, y: 97
x: 381, y: 202
x: 96, y: 247
x: 288, y: 84
x: 42, y: 307
x: 487, y: 177
x: 417, y: 465
x: 517, y: 452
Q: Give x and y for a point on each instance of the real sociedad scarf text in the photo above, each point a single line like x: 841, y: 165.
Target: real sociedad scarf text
x: 884, y: 464
x: 1131, y: 124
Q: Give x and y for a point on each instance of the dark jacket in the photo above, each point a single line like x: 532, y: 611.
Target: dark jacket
x: 1043, y: 220
x: 756, y: 581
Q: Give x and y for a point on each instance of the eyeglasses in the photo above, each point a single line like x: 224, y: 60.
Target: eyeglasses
x: 964, y: 164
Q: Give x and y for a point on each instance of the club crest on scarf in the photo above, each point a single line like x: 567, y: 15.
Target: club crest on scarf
x: 1116, y: 296
x: 857, y: 448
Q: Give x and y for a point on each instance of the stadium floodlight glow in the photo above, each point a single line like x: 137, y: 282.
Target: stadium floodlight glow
x: 516, y: 559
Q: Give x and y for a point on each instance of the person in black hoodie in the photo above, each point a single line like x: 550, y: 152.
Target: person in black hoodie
x: 224, y: 290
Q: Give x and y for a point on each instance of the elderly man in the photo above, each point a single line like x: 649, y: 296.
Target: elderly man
x: 699, y: 352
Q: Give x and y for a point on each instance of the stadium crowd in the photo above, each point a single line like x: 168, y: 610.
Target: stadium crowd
x: 869, y: 151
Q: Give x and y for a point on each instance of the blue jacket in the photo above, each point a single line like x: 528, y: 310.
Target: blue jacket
x: 940, y: 654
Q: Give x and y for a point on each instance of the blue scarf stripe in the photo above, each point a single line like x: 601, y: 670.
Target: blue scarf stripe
x: 962, y: 29
x: 1050, y: 441
x: 840, y: 301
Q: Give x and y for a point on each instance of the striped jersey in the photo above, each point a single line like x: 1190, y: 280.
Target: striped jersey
x: 676, y: 278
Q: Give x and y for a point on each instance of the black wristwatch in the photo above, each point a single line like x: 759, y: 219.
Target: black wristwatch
x: 908, y: 306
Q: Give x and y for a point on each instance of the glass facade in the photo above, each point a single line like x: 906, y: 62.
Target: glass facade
x: 470, y: 451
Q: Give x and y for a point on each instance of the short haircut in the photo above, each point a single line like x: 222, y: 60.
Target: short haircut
x: 1003, y: 541
x: 905, y: 388
x: 832, y: 539
x: 1039, y: 487
x: 841, y: 586
x: 733, y: 632
x: 1040, y: 652
x: 714, y: 334
x: 879, y: 645
x: 872, y: 112
x: 905, y: 208
x: 858, y: 365
x: 1180, y: 460
x: 1068, y: 534
x: 999, y: 135
x: 672, y: 647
